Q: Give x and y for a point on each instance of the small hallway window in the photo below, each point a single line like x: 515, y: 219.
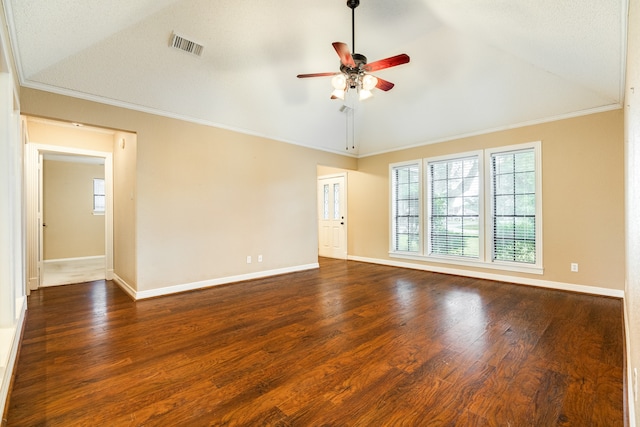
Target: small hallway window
x: 98, y: 196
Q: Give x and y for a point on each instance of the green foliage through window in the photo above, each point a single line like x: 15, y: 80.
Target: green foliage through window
x: 406, y: 208
x: 514, y: 206
x: 454, y: 201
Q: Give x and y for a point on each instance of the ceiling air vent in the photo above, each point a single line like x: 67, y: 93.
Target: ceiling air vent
x: 186, y: 45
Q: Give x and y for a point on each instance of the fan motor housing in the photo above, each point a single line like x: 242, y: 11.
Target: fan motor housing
x: 353, y: 73
x: 360, y: 61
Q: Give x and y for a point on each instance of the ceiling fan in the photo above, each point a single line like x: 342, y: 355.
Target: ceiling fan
x: 354, y: 69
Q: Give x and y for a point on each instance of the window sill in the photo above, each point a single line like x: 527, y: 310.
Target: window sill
x: 519, y: 268
x: 100, y: 213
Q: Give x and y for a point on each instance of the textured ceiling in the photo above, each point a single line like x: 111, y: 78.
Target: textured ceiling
x: 475, y: 66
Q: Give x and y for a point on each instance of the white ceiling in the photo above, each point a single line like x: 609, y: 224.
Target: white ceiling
x: 475, y: 66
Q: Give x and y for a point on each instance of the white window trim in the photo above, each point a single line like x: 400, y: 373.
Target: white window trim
x: 537, y: 148
x: 427, y: 198
x: 486, y: 227
x: 392, y: 166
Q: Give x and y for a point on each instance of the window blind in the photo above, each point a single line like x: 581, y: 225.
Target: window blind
x: 406, y: 208
x: 454, y: 207
x: 513, y: 181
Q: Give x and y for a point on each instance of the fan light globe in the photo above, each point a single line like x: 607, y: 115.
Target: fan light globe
x: 337, y: 93
x: 339, y: 82
x: 369, y: 82
x: 365, y: 94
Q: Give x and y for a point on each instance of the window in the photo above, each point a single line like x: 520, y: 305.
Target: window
x: 325, y: 201
x: 336, y: 201
x: 99, y: 197
x: 513, y: 206
x: 454, y: 206
x: 405, y: 206
x: 481, y: 208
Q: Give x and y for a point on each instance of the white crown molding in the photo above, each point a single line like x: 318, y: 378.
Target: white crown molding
x: 167, y: 114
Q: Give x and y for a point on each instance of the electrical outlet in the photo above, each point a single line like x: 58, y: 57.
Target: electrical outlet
x: 574, y: 267
x: 259, y: 258
x: 248, y: 259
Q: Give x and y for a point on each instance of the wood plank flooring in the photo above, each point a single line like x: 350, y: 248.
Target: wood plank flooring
x: 349, y: 344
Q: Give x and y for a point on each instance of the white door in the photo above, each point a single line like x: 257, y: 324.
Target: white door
x: 332, y: 218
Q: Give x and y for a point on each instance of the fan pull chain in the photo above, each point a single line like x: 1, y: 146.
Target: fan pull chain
x: 350, y: 130
x: 353, y: 131
x: 346, y: 128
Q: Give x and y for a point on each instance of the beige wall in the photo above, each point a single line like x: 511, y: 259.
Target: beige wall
x: 124, y: 206
x: 205, y: 198
x: 583, y: 196
x: 66, y: 135
x: 72, y: 230
x: 632, y: 137
x: 326, y: 170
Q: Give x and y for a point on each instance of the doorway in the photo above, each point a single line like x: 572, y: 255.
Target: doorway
x: 73, y: 219
x: 332, y: 216
x: 64, y: 269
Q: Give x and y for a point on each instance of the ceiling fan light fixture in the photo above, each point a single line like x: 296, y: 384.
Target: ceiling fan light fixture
x: 353, y: 83
x: 337, y: 94
x: 369, y: 82
x: 364, y: 94
x: 339, y: 82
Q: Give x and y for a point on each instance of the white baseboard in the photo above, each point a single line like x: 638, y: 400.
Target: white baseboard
x: 127, y: 288
x: 497, y: 277
x: 11, y: 338
x: 168, y: 290
x: 83, y: 258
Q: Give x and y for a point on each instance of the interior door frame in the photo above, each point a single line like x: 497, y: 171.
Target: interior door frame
x: 33, y: 169
x: 342, y: 175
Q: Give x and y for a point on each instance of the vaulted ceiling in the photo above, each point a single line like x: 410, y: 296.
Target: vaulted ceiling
x: 475, y: 66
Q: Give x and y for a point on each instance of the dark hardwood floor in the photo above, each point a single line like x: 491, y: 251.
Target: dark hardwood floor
x: 350, y: 344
